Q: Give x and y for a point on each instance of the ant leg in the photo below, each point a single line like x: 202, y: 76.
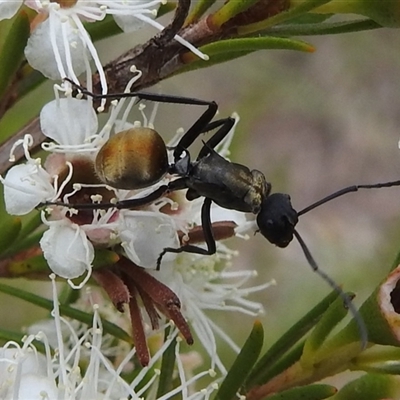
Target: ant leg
x: 200, y: 126
x: 163, y: 190
x: 349, y: 189
x: 156, y: 97
x: 208, y: 236
x: 227, y: 125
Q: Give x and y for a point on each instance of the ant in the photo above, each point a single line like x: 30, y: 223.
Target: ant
x: 137, y: 158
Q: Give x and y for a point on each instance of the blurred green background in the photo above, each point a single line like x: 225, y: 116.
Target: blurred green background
x: 313, y: 123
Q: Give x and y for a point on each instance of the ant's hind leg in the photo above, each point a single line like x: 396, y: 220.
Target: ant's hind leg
x: 208, y: 237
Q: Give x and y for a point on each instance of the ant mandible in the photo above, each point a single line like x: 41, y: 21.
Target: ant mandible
x: 137, y: 158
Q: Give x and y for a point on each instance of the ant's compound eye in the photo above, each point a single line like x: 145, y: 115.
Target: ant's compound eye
x: 277, y: 219
x: 132, y: 159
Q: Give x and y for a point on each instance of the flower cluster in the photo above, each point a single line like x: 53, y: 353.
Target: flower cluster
x: 87, y: 364
x: 185, y: 288
x: 193, y: 283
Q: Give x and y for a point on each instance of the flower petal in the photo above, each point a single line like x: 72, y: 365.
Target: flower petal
x: 145, y: 235
x: 68, y: 121
x: 67, y: 249
x: 36, y: 387
x: 41, y: 55
x: 9, y: 8
x: 25, y: 186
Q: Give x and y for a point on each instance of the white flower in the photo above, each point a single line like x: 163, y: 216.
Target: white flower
x: 8, y: 8
x: 27, y: 185
x: 70, y: 123
x: 202, y: 287
x: 60, y: 46
x: 67, y: 249
x: 26, y: 374
x: 144, y: 235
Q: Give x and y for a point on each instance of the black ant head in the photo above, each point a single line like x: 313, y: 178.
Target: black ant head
x: 277, y: 219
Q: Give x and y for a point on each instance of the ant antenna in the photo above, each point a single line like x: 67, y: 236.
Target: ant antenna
x: 346, y: 299
x: 349, y: 189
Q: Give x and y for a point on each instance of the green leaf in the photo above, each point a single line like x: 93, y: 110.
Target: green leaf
x: 326, y: 28
x: 284, y: 16
x: 378, y: 359
x: 371, y: 387
x: 289, y: 339
x: 104, y: 258
x: 81, y: 316
x: 11, y: 336
x: 310, y: 19
x: 37, y: 263
x: 30, y: 224
x: 229, y: 10
x: 200, y: 7
x: 311, y: 392
x: 256, y: 43
x: 225, y: 50
x: 165, y: 8
x: 29, y: 234
x: 10, y: 228
x: 333, y: 315
x: 283, y: 363
x: 12, y: 52
x: 167, y: 367
x: 103, y: 29
x: 243, y: 364
x: 22, y: 267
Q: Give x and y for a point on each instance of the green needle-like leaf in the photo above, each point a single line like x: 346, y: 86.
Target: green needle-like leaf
x: 370, y: 387
x: 279, y: 366
x: 199, y: 8
x: 7, y: 336
x: 335, y: 313
x: 243, y: 364
x: 65, y: 310
x: 294, y: 12
x: 326, y: 28
x: 167, y: 368
x: 311, y: 392
x: 225, y: 50
x: 103, y: 29
x: 379, y: 359
x: 12, y: 52
x: 229, y: 10
x: 10, y: 228
x: 289, y: 339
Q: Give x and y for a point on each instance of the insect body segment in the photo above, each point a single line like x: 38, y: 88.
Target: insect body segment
x: 229, y: 185
x: 132, y: 159
x: 277, y: 219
